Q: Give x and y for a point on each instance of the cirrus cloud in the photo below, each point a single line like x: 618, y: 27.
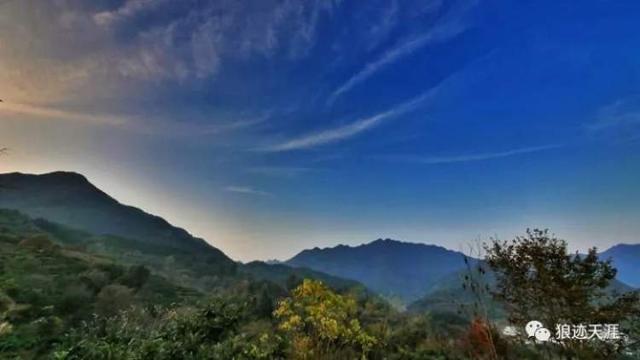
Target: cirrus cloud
x: 436, y: 160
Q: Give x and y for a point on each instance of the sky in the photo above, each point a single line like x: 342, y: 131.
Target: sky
x: 268, y: 127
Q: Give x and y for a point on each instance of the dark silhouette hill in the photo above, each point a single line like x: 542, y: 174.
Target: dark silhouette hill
x: 68, y: 205
x: 391, y: 268
x: 625, y: 258
x: 70, y: 199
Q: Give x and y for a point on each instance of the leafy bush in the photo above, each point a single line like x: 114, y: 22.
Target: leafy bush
x: 113, y: 299
x: 320, y: 323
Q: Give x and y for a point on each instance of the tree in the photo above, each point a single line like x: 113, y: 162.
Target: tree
x: 210, y: 331
x: 538, y: 279
x: 113, y: 299
x: 136, y: 276
x: 321, y: 323
x: 75, y: 298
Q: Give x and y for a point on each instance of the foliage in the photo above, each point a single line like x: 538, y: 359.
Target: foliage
x: 112, y: 299
x: 537, y: 279
x: 66, y: 294
x: 320, y: 322
x: 212, y: 331
x: 48, y: 288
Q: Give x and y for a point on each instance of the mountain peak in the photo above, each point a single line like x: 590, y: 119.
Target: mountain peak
x: 392, y: 243
x: 383, y: 241
x: 623, y: 247
x: 67, y: 177
x: 70, y: 199
x: 625, y: 260
x: 390, y: 267
x: 55, y: 175
x: 56, y: 179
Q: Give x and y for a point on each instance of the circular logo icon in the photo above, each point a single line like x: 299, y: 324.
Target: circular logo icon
x: 532, y: 326
x: 542, y: 334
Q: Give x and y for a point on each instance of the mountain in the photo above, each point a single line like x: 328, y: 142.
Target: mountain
x: 70, y: 199
x: 449, y: 295
x: 47, y: 282
x: 391, y: 268
x: 626, y: 258
x: 68, y: 207
x: 287, y: 276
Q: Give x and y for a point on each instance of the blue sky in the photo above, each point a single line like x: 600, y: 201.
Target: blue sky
x: 268, y: 127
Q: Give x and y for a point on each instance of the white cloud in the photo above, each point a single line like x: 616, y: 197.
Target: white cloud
x: 78, y: 53
x: 196, y: 44
x: 247, y: 190
x: 280, y: 171
x: 623, y: 113
x: 331, y: 135
x: 448, y: 28
x: 128, y: 9
x: 344, y: 132
x: 174, y: 128
x: 146, y: 125
x: 388, y: 19
x: 51, y: 113
x: 434, y: 160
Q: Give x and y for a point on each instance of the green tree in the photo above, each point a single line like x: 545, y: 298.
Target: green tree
x: 113, y: 299
x: 212, y: 331
x: 74, y: 298
x: 136, y: 276
x: 538, y: 279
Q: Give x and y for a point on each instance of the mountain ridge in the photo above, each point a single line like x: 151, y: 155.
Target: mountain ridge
x: 376, y: 242
x: 390, y: 267
x: 60, y: 202
x: 625, y: 258
x: 69, y: 198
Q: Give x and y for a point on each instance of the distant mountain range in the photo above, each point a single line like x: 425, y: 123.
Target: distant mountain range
x: 450, y: 296
x: 404, y: 271
x: 391, y: 268
x: 422, y: 272
x: 625, y: 258
x: 66, y: 204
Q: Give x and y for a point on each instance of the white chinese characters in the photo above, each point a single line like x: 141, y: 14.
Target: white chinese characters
x: 588, y: 332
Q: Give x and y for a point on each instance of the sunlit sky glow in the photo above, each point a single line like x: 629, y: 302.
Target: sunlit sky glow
x: 268, y: 127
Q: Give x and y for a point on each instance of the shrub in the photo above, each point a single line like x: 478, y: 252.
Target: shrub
x: 113, y: 299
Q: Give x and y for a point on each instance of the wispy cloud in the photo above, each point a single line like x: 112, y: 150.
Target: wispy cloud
x: 247, y: 190
x: 434, y: 160
x: 46, y: 112
x: 280, y: 171
x: 128, y: 9
x: 190, y: 129
x: 451, y: 26
x: 620, y: 119
x: 197, y: 39
x: 387, y: 18
x: 149, y: 125
x: 344, y: 132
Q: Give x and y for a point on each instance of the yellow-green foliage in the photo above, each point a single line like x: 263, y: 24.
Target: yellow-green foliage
x: 320, y: 322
